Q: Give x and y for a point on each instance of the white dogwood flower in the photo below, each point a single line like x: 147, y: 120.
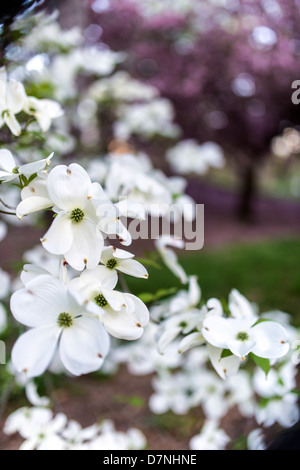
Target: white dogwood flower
x: 34, y: 197
x: 38, y: 427
x: 241, y: 336
x: 240, y: 307
x: 44, y: 110
x: 115, y: 260
x: 190, y: 157
x: 123, y: 315
x: 73, y: 231
x: 183, y: 317
x: 12, y: 101
x: 10, y: 170
x: 211, y: 437
x: 224, y: 366
x: 58, y: 320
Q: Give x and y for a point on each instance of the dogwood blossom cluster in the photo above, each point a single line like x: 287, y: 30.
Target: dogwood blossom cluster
x: 131, y: 178
x: 40, y: 429
x: 13, y: 100
x: 229, y: 338
x: 79, y: 314
x: 183, y: 383
x: 190, y: 157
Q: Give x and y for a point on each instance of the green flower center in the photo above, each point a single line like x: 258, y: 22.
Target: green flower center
x: 101, y: 300
x: 111, y: 263
x: 77, y: 215
x: 242, y: 336
x: 15, y: 170
x: 65, y: 320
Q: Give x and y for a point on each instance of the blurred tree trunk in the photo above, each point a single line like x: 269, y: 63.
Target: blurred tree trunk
x: 248, y: 189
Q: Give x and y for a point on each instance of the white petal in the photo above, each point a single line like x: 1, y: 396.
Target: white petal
x: 40, y: 302
x: 15, y: 96
x: 131, y: 209
x: 83, y: 346
x: 12, y: 123
x: 167, y: 337
x: 115, y: 299
x: 86, y: 247
x: 68, y: 187
x: 102, y: 276
x: 32, y: 204
x: 217, y: 331
x: 271, y: 340
x: 170, y: 258
x: 34, y: 167
x: 241, y: 348
x: 224, y: 366
x: 33, y: 351
x: 107, y: 214
x: 33, y: 396
x: 96, y: 192
x: 59, y: 238
x: 7, y: 161
x: 52, y: 442
x: 190, y: 341
x: 194, y: 291
x: 110, y: 252
x: 133, y: 268
x: 126, y: 324
x: 44, y: 121
x: 29, y: 444
x: 239, y: 306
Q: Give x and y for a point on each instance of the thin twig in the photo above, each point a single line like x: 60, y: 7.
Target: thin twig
x: 124, y: 284
x: 6, y: 205
x: 7, y: 213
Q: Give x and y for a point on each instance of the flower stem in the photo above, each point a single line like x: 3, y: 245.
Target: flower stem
x: 7, y: 213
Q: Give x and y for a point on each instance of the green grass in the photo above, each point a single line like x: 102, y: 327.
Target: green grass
x: 265, y: 272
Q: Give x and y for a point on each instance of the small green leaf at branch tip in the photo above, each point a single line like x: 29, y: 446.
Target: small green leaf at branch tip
x: 261, y: 362
x: 32, y: 177
x: 148, y: 297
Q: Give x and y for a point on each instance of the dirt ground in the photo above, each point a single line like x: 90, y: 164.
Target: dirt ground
x: 88, y: 400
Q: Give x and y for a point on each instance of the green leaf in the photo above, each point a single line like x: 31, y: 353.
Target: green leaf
x: 146, y: 297
x: 32, y: 177
x: 261, y: 362
x: 133, y: 400
x: 24, y: 180
x: 165, y: 293
x: 226, y: 353
x: 149, y: 262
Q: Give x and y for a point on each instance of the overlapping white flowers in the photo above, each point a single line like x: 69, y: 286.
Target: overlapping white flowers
x: 58, y: 320
x: 187, y: 156
x: 9, y: 169
x: 13, y: 100
x: 82, y: 214
x: 42, y: 430
x: 229, y: 339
